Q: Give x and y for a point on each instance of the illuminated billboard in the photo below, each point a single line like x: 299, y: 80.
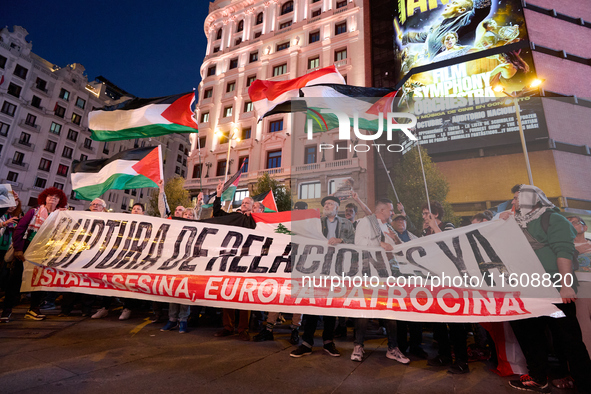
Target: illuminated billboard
x: 433, y: 31
x: 464, y: 106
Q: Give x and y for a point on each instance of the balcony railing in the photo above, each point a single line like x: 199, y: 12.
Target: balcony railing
x: 17, y: 164
x: 15, y: 185
x: 29, y: 126
x: 23, y: 144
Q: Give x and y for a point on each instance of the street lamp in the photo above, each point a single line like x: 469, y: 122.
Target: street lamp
x: 232, y: 136
x: 514, y: 99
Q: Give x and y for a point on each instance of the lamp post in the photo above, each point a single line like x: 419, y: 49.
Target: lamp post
x: 514, y: 99
x: 232, y: 136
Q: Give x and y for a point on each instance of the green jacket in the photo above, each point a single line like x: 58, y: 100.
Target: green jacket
x: 559, y: 242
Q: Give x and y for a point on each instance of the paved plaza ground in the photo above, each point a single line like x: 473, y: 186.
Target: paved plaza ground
x: 83, y: 355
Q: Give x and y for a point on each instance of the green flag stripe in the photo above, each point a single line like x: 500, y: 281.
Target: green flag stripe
x: 153, y: 130
x: 117, y: 182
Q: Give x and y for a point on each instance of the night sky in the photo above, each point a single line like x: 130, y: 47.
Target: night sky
x: 148, y: 48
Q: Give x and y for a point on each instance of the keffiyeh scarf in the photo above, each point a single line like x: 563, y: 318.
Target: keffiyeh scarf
x: 530, y: 199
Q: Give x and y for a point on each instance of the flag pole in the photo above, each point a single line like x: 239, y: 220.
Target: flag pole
x: 389, y: 177
x: 424, y: 177
x: 198, y: 145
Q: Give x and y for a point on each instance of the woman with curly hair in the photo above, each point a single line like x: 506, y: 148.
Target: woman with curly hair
x: 50, y: 200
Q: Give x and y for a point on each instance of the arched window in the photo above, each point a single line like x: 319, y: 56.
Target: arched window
x: 287, y: 8
x: 219, y: 35
x: 259, y: 18
x: 240, y: 26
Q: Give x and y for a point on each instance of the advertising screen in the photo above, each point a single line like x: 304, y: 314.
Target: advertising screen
x: 466, y: 106
x: 432, y: 31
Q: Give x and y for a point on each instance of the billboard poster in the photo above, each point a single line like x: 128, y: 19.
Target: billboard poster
x: 461, y: 106
x: 432, y: 31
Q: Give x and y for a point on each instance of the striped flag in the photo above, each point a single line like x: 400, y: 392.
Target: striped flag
x: 266, y: 95
x: 131, y: 169
x: 141, y: 118
x: 228, y: 191
x: 268, y: 200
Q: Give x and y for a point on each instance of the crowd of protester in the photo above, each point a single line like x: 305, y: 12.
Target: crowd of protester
x: 558, y: 241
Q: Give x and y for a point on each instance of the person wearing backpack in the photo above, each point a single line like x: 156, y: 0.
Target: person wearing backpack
x: 551, y: 236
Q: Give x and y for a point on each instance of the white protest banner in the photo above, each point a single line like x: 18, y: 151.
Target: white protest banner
x: 476, y: 273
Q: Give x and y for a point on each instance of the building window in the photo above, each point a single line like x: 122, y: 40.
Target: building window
x: 316, y: 13
x: 246, y: 133
x: 76, y: 119
x: 274, y: 159
x: 309, y: 190
x: 25, y: 139
x: 241, y: 195
x: 340, y: 55
x: 211, y: 71
x: 8, y: 108
x: 179, y: 158
x: 202, y: 141
x: 55, y: 128
x: 41, y: 84
x: 250, y: 80
x: 36, y: 102
x: 208, y: 93
x: 62, y: 170
x: 341, y: 4
x: 227, y: 111
x: 314, y: 36
x: 230, y: 86
x: 248, y: 106
x: 106, y: 148
x: 80, y: 103
x: 280, y: 70
x: 72, y: 135
x: 221, y: 168
x: 233, y: 63
x: 14, y: 90
x: 4, y: 129
x: 313, y: 63
x: 83, y: 157
x: 219, y: 34
x: 254, y: 56
x: 310, y: 154
x: 31, y: 120
x: 60, y: 111
x: 50, y: 146
x: 58, y: 185
x: 284, y: 25
x: 341, y: 150
x: 259, y: 18
x: 40, y: 183
x: 340, y: 28
x: 64, y: 94
x: 276, y: 125
x: 216, y: 49
x: 205, y: 117
x: 243, y: 163
x: 20, y: 71
x: 257, y: 34
x: 240, y: 26
x: 18, y: 158
x: 2, y: 61
x: 45, y: 165
x: 12, y: 176
x: 88, y: 143
x: 197, y: 170
x: 238, y: 41
x: 281, y: 47
x: 67, y: 153
x: 287, y: 8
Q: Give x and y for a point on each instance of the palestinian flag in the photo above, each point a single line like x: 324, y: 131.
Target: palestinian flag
x: 141, y: 118
x: 228, y: 191
x: 265, y: 95
x: 131, y: 169
x: 268, y: 200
